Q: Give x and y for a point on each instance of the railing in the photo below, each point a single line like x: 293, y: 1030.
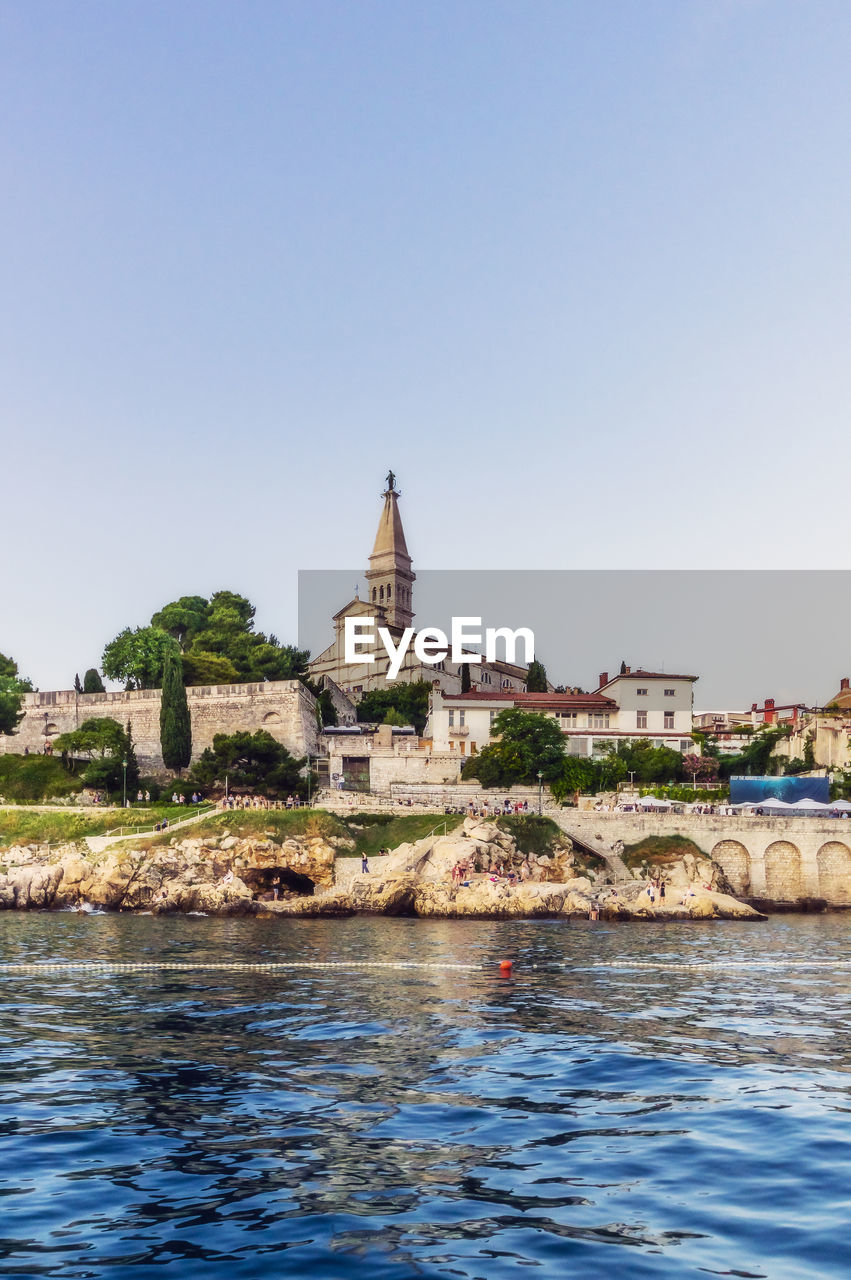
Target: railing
x: 138, y: 831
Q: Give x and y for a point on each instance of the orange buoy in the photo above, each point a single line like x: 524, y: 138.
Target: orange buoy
x: 505, y: 967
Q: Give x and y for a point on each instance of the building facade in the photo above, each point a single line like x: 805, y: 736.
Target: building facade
x: 389, y: 600
x: 632, y: 706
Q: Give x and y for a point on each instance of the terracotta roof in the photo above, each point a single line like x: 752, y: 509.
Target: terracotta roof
x: 645, y: 675
x: 554, y: 701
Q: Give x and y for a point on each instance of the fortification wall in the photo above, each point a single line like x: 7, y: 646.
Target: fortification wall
x: 782, y: 860
x: 285, y: 708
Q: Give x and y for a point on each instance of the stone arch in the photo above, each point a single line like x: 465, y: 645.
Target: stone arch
x: 732, y: 858
x: 51, y: 730
x: 783, y: 881
x: 834, y: 871
x: 272, y: 717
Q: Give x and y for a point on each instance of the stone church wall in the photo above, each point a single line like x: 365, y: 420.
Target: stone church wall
x: 285, y: 708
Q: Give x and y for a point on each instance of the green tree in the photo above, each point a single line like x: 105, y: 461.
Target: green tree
x: 536, y: 677
x: 578, y: 773
x: 325, y: 708
x: 525, y: 744
x: 410, y: 700
x: 466, y: 678
x: 138, y: 657
x: 106, y: 746
x: 13, y: 686
x: 208, y: 668
x: 175, y: 726
x: 92, y: 682
x: 78, y: 688
x: 393, y: 717
x: 809, y: 751
x: 256, y: 761
x: 183, y: 618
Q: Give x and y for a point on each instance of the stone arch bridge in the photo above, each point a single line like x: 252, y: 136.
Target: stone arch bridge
x: 783, y: 860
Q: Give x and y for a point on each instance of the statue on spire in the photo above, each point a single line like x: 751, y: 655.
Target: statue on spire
x: 391, y: 482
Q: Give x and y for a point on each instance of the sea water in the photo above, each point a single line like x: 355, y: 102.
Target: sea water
x: 634, y: 1100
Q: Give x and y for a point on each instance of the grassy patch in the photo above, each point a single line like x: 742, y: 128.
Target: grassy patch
x: 27, y: 826
x: 275, y: 824
x: 532, y: 834
x: 374, y: 831
x: 369, y: 831
x: 28, y: 779
x: 659, y: 851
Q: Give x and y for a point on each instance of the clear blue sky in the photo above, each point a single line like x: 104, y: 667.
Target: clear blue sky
x: 579, y: 272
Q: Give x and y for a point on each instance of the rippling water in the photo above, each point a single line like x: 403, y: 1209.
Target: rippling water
x: 425, y: 1122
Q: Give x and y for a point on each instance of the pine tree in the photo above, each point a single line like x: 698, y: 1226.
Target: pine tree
x: 175, y: 725
x: 92, y: 682
x: 536, y: 677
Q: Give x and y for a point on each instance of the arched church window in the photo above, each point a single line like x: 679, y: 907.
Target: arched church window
x: 381, y: 593
x: 389, y: 590
x: 375, y: 593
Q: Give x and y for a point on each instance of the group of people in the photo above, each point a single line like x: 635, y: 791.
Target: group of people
x: 497, y: 809
x: 493, y: 869
x: 259, y: 802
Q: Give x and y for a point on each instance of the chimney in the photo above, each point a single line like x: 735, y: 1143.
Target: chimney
x: 843, y: 683
x: 628, y: 670
x: 604, y: 679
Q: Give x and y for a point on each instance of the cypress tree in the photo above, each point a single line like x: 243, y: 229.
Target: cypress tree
x: 466, y: 678
x: 92, y: 682
x: 175, y: 726
x: 536, y: 677
x: 77, y: 686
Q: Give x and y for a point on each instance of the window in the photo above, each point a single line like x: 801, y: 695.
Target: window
x: 577, y: 746
x: 493, y: 716
x: 642, y: 693
x: 641, y: 719
x: 670, y: 693
x: 462, y: 717
x: 685, y: 744
x: 506, y: 684
x: 599, y: 720
x: 568, y: 719
x: 669, y: 720
x: 451, y: 717
x: 389, y: 590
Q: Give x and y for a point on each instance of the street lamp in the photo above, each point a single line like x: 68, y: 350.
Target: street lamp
x: 124, y: 767
x: 540, y: 794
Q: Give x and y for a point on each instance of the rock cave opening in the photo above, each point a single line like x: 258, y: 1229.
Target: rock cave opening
x: 262, y: 881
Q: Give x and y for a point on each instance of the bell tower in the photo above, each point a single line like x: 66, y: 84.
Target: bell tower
x: 389, y: 577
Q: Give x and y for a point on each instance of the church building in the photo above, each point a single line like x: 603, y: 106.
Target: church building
x: 390, y: 601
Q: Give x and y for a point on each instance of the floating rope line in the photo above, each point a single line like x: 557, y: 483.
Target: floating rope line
x: 179, y: 966
x: 712, y: 965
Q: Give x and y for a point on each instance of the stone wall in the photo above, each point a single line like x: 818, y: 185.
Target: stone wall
x: 285, y: 708
x: 783, y: 860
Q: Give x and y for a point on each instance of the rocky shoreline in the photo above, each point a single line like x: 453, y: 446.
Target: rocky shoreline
x: 475, y: 872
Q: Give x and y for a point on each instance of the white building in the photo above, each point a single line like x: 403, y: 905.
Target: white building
x: 632, y: 706
x: 652, y: 704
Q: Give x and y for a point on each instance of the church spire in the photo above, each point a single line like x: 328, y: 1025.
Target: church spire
x: 389, y: 576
